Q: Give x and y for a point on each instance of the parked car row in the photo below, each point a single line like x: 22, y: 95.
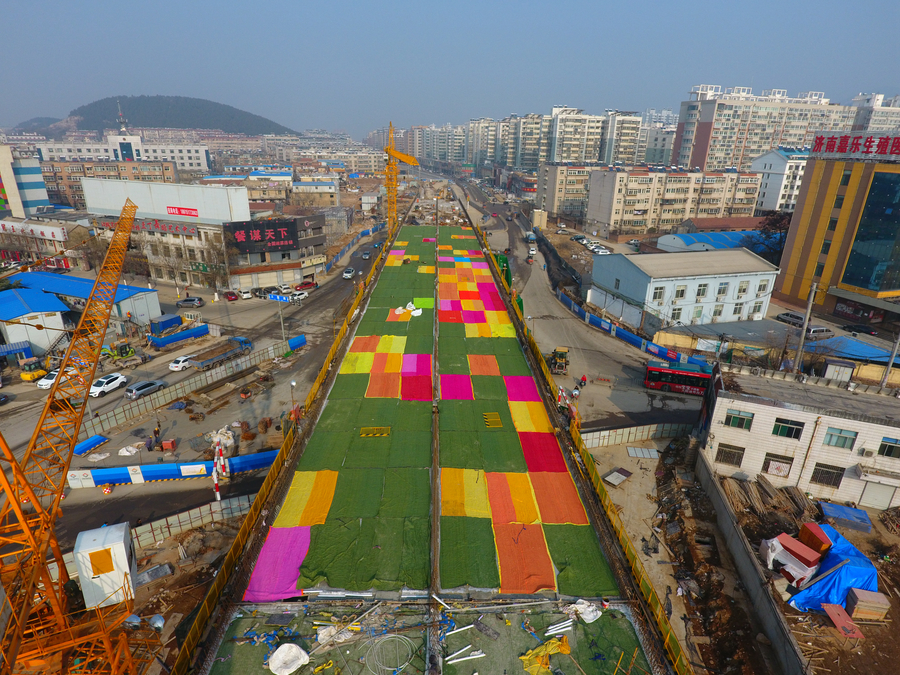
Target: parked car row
x: 111, y: 382
x: 594, y: 247
x: 264, y: 292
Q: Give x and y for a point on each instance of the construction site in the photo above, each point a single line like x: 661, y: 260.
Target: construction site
x: 428, y: 512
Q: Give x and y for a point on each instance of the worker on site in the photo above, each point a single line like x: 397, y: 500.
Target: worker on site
x: 575, y: 393
x: 583, y: 381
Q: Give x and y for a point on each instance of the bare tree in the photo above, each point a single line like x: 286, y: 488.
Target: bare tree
x: 94, y: 250
x: 219, y: 255
x: 768, y: 242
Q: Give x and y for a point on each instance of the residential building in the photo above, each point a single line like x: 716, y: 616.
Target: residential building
x: 31, y: 316
x: 22, y: 189
x: 655, y: 144
x: 370, y: 201
x: 481, y: 142
x: 781, y: 175
x: 575, y: 136
x: 621, y: 132
x: 522, y: 185
x: 695, y: 287
x: 316, y: 191
x: 845, y: 232
x: 831, y: 443
x: 63, y: 179
x: 189, y: 157
x: 349, y: 161
x: 638, y: 201
x: 562, y: 189
x: 665, y: 116
x: 875, y: 114
x: 722, y: 129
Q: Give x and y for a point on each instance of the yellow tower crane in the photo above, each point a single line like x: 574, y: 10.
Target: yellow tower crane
x: 391, y: 177
x: 39, y: 630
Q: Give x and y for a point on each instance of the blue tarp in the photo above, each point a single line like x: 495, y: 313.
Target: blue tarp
x: 858, y: 572
x: 16, y: 348
x: 160, y: 342
x: 845, y: 347
x: 89, y: 444
x: 855, y: 519
x: 295, y: 343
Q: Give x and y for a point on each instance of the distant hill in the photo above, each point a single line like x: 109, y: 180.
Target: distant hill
x: 36, y: 123
x: 174, y: 112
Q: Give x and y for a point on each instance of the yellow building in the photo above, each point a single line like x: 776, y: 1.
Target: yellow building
x: 845, y: 232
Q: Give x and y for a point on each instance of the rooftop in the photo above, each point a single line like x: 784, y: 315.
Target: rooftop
x: 72, y: 286
x: 699, y: 263
x: 724, y: 224
x: 730, y: 239
x: 21, y: 301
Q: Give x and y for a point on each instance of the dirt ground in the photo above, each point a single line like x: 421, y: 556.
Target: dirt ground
x: 571, y: 251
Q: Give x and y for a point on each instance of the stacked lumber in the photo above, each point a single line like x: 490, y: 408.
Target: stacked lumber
x: 756, y: 502
x: 867, y: 605
x: 735, y: 494
x: 802, y: 507
x: 891, y: 519
x: 773, y: 497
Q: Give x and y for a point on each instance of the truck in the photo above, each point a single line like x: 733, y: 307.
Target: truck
x: 530, y: 238
x: 161, y: 324
x: 220, y: 352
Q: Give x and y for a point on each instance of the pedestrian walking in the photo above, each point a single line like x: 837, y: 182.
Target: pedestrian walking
x: 583, y: 381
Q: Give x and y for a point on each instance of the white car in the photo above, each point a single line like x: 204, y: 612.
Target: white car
x: 245, y: 294
x: 47, y: 380
x: 285, y: 289
x: 348, y: 273
x: 600, y: 251
x: 180, y: 363
x: 108, y: 383
x: 297, y: 296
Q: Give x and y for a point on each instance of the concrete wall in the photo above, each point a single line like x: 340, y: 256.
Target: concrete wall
x: 614, y: 306
x: 805, y: 452
x: 765, y: 608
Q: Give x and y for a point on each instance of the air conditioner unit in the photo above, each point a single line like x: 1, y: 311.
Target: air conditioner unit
x: 759, y: 294
x: 660, y: 303
x: 715, y: 319
x: 674, y: 302
x: 867, y: 453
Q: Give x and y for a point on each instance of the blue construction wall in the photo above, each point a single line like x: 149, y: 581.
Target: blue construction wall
x: 365, y: 233
x: 627, y: 336
x: 160, y: 342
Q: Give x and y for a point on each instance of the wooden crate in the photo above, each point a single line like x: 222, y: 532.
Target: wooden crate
x: 867, y: 605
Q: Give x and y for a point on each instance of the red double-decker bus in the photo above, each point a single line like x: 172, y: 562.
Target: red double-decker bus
x: 684, y: 378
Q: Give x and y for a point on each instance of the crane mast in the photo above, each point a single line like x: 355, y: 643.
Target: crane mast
x: 37, y: 630
x: 391, y: 176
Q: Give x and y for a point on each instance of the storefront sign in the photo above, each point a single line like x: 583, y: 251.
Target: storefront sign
x: 264, y: 235
x: 155, y: 226
x: 179, y: 211
x: 857, y: 146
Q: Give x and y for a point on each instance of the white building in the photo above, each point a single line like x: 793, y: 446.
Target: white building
x: 695, y: 287
x: 190, y: 157
x: 562, y: 189
x: 876, y: 114
x: 22, y: 310
x: 574, y: 135
x: 781, y: 175
x: 621, y: 133
x: 22, y: 188
x: 655, y: 143
x: 835, y: 445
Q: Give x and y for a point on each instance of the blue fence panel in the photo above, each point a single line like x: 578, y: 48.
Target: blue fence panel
x: 296, y: 342
x: 160, y: 471
x: 159, y: 342
x: 193, y: 472
x: 117, y: 475
x: 251, y: 462
x: 595, y: 321
x: 89, y: 444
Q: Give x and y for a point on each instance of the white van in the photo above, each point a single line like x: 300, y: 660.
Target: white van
x: 818, y: 333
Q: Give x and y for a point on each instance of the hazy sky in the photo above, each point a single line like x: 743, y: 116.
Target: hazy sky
x: 355, y: 65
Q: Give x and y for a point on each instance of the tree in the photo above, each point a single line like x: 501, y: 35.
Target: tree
x: 214, y: 252
x: 95, y: 252
x: 768, y: 242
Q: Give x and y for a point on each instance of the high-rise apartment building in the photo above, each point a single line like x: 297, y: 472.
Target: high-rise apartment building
x: 655, y: 143
x: 722, y: 129
x: 481, y: 141
x: 575, y: 136
x: 640, y: 201
x: 621, y: 133
x: 562, y: 189
x: 22, y: 189
x: 875, y: 114
x: 781, y: 174
x: 845, y: 233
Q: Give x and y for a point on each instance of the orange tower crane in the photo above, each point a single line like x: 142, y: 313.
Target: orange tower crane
x: 39, y: 631
x: 391, y: 177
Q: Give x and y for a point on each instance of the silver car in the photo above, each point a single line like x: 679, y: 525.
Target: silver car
x: 143, y: 388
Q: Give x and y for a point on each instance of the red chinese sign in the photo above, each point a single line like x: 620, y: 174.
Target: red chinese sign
x: 266, y: 235
x: 156, y: 226
x: 179, y: 211
x: 858, y: 145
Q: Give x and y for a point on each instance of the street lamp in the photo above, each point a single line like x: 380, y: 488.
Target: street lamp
x: 531, y: 319
x: 293, y: 384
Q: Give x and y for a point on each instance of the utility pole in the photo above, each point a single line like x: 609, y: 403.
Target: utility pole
x: 890, y: 363
x: 281, y: 318
x: 798, y: 362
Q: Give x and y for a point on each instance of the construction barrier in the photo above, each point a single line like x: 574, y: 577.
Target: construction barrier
x: 340, y: 254
x: 148, y: 473
x: 607, y: 437
x: 214, y: 594
x: 627, y: 336
x: 675, y: 651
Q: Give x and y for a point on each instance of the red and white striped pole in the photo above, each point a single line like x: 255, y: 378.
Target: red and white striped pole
x: 216, y: 484
x: 220, y: 459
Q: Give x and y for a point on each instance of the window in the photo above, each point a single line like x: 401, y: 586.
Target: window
x: 658, y: 292
x: 738, y: 419
x: 890, y: 447
x: 763, y: 286
x: 723, y: 289
x: 845, y: 178
x: 717, y: 310
x: 757, y: 307
x: 832, y: 224
x: 738, y: 308
x: 742, y: 287
x: 820, y: 269
x: 680, y: 292
x: 826, y: 247
x: 617, y: 284
x: 825, y: 474
x: 787, y: 428
x: 701, y: 290
x: 676, y: 314
x: 777, y: 465
x: 729, y: 454
x: 838, y: 201
x: 840, y: 438
x: 698, y: 312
